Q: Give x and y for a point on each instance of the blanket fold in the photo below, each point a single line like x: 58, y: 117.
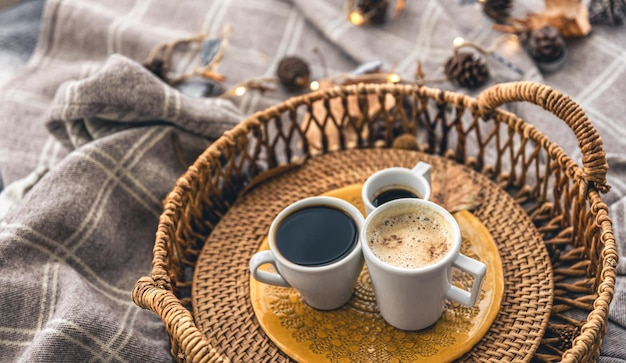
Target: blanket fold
x: 123, y: 94
x: 91, y: 143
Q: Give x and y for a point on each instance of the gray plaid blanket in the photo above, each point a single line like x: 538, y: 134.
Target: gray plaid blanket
x: 91, y: 142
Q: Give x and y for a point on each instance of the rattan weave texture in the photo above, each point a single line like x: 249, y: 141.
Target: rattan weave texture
x: 562, y: 199
x: 221, y: 301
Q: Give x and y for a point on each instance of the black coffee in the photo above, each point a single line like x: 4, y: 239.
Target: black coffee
x: 392, y: 194
x: 316, y: 236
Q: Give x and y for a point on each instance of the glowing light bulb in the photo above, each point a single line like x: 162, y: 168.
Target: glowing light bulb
x: 314, y: 86
x: 240, y: 91
x: 512, y: 44
x: 356, y: 18
x: 393, y: 78
x: 458, y: 41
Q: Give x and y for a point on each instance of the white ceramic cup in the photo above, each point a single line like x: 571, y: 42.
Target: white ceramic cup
x: 323, y: 287
x: 416, y: 179
x: 414, y: 298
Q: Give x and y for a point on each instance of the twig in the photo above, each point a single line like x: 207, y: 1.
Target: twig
x: 208, y: 71
x: 258, y: 84
x: 400, y: 5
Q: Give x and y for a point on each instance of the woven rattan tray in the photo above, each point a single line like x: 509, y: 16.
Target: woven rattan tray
x: 221, y: 302
x: 561, y: 198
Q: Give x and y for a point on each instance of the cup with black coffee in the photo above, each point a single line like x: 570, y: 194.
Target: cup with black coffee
x: 394, y: 183
x: 315, y: 248
x: 410, y: 247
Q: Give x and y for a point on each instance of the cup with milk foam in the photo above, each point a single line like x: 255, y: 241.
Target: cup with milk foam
x: 410, y: 247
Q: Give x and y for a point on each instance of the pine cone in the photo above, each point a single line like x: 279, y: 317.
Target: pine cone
x: 607, y: 12
x: 293, y: 73
x: 376, y: 10
x: 467, y: 70
x: 567, y: 335
x: 546, y: 44
x: 498, y: 10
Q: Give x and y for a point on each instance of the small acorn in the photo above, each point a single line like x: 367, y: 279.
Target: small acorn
x: 406, y: 142
x: 498, y: 10
x: 293, y: 73
x: 547, y: 47
x: 546, y: 44
x: 467, y: 69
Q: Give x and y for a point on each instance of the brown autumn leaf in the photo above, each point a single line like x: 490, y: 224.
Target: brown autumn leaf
x: 571, y: 17
x: 450, y: 187
x: 455, y: 191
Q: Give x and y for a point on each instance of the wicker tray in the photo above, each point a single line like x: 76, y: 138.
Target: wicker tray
x: 220, y: 294
x: 562, y: 200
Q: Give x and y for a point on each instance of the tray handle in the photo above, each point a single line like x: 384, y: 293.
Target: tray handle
x: 178, y: 321
x: 595, y: 165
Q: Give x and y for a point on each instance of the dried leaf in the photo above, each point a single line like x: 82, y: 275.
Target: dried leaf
x: 209, y: 50
x: 455, y: 191
x: 571, y: 17
x: 419, y: 71
x: 367, y: 67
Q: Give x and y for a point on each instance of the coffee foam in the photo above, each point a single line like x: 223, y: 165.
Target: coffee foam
x: 410, y: 240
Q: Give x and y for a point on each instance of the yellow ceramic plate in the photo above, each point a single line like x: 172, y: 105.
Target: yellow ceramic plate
x: 357, y: 333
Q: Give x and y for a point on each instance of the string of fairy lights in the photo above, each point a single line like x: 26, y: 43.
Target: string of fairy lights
x: 466, y: 65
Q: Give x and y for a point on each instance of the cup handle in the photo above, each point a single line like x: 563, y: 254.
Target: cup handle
x: 271, y: 278
x: 476, y: 269
x: 423, y: 169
